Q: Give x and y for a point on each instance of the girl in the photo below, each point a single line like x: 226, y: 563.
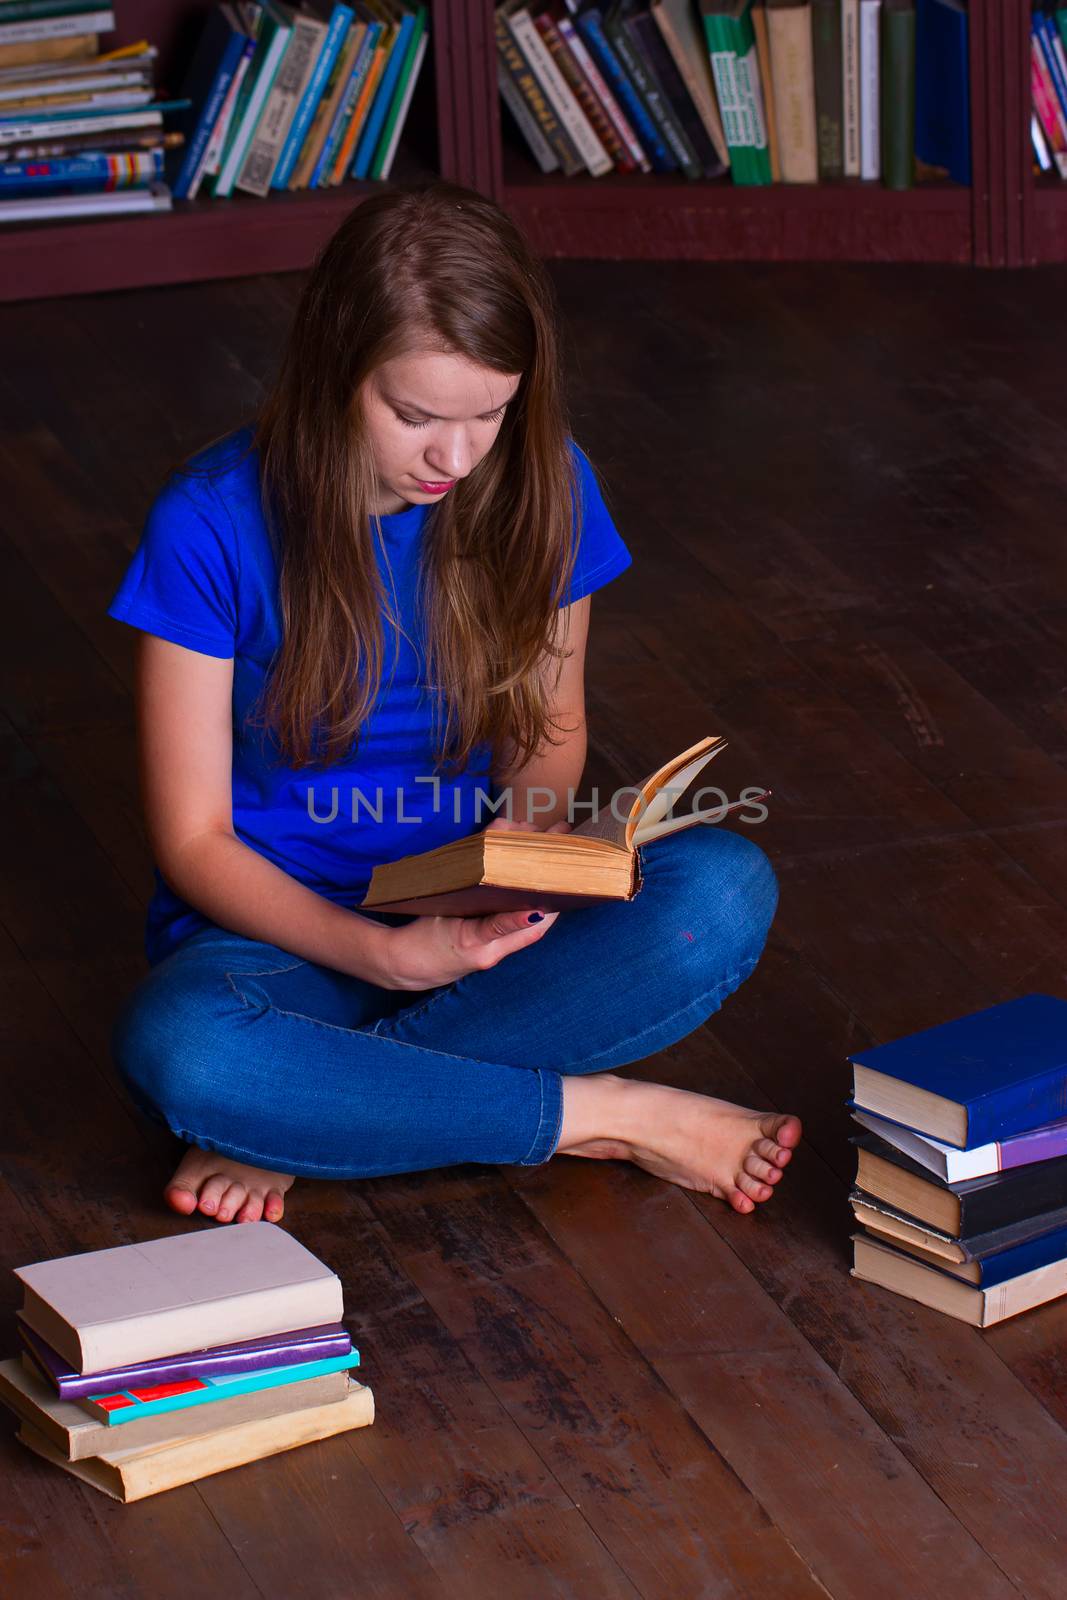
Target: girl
x: 359, y: 621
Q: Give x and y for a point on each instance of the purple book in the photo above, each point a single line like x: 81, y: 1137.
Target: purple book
x: 252, y: 1355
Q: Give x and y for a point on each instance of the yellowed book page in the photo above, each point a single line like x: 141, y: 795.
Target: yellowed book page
x: 653, y: 797
x: 133, y: 1474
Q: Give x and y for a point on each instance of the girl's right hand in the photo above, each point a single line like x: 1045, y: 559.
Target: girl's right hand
x: 432, y: 951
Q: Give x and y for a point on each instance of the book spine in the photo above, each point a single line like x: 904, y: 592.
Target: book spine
x: 1017, y: 1109
x: 326, y: 110
x: 600, y: 88
x: 677, y: 104
x: 217, y: 142
x: 262, y: 82
x: 870, y: 109
x: 572, y: 74
x: 12, y: 132
x: 1053, y: 51
x: 624, y: 35
x: 850, y: 87
x: 405, y: 102
x: 724, y: 75
x: 1045, y: 108
x: 563, y: 102
x: 748, y: 82
x: 363, y: 104
x: 26, y: 10
x: 526, y: 86
x: 763, y: 57
x: 198, y: 140
x: 512, y: 97
x: 793, y: 72
x: 293, y: 73
x: 119, y: 1407
x: 79, y: 174
x: 370, y: 133
x: 330, y: 49
x: 897, y: 91
x: 401, y: 97
x: 591, y: 26
x: 41, y: 28
x: 1039, y: 1252
x: 1041, y: 150
x: 829, y: 86
x: 684, y: 39
x: 321, y: 173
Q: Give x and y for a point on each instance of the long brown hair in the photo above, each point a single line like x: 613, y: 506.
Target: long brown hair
x: 431, y: 266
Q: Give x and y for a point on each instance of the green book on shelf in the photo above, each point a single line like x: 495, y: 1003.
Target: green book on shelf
x: 731, y: 43
x: 401, y: 97
x: 829, y: 87
x: 897, y: 92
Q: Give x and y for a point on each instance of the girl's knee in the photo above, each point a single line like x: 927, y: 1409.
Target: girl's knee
x: 162, y: 1042
x: 719, y: 888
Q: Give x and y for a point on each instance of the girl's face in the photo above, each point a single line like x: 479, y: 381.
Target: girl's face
x: 431, y: 417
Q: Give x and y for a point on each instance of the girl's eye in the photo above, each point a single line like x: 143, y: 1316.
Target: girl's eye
x: 409, y: 422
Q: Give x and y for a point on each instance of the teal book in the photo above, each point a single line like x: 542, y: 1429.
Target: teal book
x: 124, y: 1405
x: 731, y: 42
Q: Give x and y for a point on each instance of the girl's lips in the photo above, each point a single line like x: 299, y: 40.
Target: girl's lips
x: 435, y: 488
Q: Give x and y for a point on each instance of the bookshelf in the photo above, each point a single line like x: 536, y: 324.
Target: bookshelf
x: 457, y: 130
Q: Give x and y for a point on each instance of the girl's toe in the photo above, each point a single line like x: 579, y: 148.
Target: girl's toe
x: 753, y: 1188
x: 211, y: 1192
x: 232, y: 1201
x: 274, y: 1207
x: 761, y: 1169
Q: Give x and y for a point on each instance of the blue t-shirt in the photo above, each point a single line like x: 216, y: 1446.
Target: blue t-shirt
x: 204, y: 576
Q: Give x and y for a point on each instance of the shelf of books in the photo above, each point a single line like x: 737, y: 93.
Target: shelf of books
x: 745, y: 129
x: 1039, y: 62
x: 158, y: 142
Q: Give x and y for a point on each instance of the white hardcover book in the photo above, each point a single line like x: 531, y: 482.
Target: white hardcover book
x: 220, y: 133
x: 296, y: 68
x: 186, y: 1291
x: 153, y: 197
x: 51, y: 128
x: 401, y: 118
x: 512, y: 97
x: 870, y: 89
x: 79, y: 22
x: 850, y: 75
x: 559, y: 93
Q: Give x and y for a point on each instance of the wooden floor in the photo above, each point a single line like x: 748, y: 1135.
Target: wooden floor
x: 845, y: 491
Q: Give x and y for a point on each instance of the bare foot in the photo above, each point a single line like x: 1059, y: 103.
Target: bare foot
x: 224, y: 1189
x: 690, y: 1139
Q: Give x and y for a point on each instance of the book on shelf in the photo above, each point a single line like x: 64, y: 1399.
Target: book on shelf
x: 789, y: 31
x: 828, y: 64
x: 499, y: 870
x: 975, y: 1205
x: 66, y: 25
x: 942, y: 87
x: 850, y: 87
x: 981, y: 1305
x: 633, y: 158
x: 129, y: 1475
x: 731, y: 42
x: 689, y: 137
x: 897, y: 93
x: 955, y: 1166
x: 109, y: 1308
x: 975, y: 1079
x: 679, y: 23
x: 186, y: 1403
x: 763, y: 67
x: 589, y: 19
x: 557, y: 31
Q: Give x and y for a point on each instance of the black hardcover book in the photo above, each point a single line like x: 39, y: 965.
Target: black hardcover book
x: 618, y: 25
x: 979, y: 1205
x: 662, y: 65
x: 829, y: 87
x: 976, y: 1246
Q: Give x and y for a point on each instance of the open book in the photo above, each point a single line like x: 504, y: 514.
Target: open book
x: 497, y: 870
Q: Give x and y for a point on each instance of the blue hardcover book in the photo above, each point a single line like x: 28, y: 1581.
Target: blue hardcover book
x: 942, y: 87
x: 91, y: 173
x: 123, y: 1405
x: 367, y: 142
x: 590, y: 25
x: 340, y: 19
x: 1005, y: 1264
x: 1048, y: 38
x: 978, y: 1078
x: 219, y: 51
x: 343, y: 115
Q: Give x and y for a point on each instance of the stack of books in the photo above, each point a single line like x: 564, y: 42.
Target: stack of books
x: 961, y: 1183
x: 284, y: 97
x: 793, y: 91
x: 151, y: 1365
x: 81, y: 133
x: 1048, y: 88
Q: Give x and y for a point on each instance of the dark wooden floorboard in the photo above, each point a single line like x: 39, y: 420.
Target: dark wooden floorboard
x: 843, y: 490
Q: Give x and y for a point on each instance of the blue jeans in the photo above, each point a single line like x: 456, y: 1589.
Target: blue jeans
x: 241, y: 1048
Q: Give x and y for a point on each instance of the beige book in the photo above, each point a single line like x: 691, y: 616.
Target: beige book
x: 75, y: 47
x: 912, y: 1234
x: 763, y: 56
x: 982, y: 1308
x: 679, y: 23
x: 188, y: 1291
x: 75, y: 1434
x: 133, y: 1474
x: 793, y: 73
x: 497, y: 870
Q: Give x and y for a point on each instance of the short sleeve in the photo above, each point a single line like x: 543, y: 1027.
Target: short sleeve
x: 181, y: 583
x: 602, y: 555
